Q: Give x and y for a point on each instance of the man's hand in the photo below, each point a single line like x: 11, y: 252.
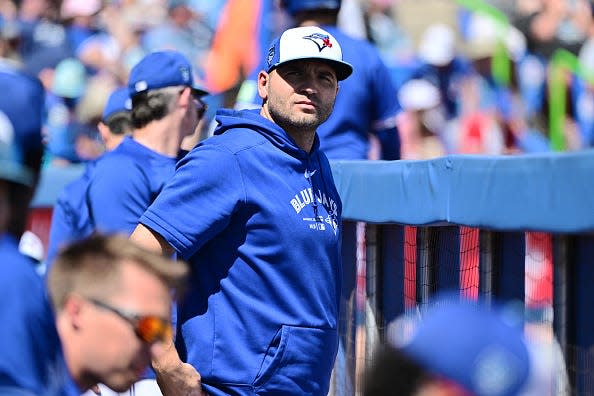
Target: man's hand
x: 174, y: 377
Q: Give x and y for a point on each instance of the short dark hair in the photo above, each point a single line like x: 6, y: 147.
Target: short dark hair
x: 152, y: 105
x: 119, y: 123
x: 393, y: 373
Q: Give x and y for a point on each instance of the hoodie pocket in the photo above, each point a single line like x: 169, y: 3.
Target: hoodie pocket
x: 299, y: 360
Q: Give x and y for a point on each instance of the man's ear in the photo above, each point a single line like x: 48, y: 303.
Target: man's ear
x: 104, y: 132
x: 73, y: 308
x: 263, y: 81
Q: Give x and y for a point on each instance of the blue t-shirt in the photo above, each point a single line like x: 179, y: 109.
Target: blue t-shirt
x: 366, y: 104
x: 30, y: 352
x: 70, y: 215
x: 123, y: 184
x: 259, y: 221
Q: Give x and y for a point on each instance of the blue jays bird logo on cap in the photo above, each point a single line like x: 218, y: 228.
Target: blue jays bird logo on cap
x: 293, y: 45
x: 321, y: 40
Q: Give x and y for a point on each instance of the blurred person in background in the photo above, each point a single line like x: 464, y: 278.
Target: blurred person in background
x: 29, y: 346
x: 495, y: 117
x: 68, y: 139
x: 79, y: 20
x: 183, y: 30
x: 440, y: 62
x: 422, y: 121
x: 461, y: 348
x: 112, y: 302
x: 70, y: 217
x: 43, y: 39
x: 187, y: 27
x: 552, y: 24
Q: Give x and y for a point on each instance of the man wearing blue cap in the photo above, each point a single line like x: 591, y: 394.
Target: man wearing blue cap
x: 367, y: 105
x: 166, y: 107
x: 28, y: 340
x: 458, y: 348
x: 255, y: 212
x: 70, y: 216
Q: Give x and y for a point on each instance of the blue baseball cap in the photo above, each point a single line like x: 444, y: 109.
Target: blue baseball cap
x: 308, y: 42
x: 162, y: 69
x: 118, y: 101
x: 21, y: 120
x: 472, y: 345
x: 295, y: 6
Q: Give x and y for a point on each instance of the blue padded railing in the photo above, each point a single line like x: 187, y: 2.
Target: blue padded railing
x: 547, y: 192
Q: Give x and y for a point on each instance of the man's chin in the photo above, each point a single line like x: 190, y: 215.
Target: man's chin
x: 121, y: 384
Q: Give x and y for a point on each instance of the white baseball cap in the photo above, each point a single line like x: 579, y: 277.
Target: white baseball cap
x: 308, y: 42
x: 438, y: 45
x: 418, y: 94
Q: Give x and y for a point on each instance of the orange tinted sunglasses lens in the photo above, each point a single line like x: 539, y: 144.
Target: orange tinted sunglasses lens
x: 151, y: 329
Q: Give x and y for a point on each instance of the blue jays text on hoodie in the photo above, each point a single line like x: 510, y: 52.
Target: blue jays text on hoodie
x: 31, y: 360
x: 259, y: 220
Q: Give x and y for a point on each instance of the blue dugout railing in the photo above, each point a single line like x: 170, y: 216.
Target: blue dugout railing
x: 503, y: 197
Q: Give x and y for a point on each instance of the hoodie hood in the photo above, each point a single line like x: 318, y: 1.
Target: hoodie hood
x: 251, y: 119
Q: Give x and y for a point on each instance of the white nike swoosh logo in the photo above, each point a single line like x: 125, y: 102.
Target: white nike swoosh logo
x: 309, y: 174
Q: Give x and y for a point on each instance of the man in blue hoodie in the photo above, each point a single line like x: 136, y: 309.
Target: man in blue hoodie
x: 255, y: 212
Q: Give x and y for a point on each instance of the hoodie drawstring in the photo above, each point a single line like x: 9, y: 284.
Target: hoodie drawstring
x: 308, y: 176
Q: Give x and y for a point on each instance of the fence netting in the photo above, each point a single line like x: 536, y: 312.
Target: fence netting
x: 398, y: 268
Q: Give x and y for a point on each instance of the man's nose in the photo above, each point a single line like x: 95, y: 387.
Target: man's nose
x: 309, y: 83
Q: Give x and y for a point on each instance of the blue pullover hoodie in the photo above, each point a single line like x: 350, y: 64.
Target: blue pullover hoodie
x: 259, y: 220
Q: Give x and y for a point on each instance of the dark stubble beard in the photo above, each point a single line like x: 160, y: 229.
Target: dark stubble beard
x: 298, y: 123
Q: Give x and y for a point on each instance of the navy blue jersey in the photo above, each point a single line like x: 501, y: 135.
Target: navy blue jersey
x: 259, y: 221
x: 366, y: 104
x: 30, y: 352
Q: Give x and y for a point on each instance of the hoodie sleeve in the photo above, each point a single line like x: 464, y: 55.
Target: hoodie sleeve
x: 199, y: 200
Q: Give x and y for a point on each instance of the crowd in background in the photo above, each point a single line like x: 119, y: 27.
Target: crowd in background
x: 470, y: 79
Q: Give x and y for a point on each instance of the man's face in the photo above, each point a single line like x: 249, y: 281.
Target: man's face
x: 116, y: 356
x: 194, y: 111
x: 299, y: 95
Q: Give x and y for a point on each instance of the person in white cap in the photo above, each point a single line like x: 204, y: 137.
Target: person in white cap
x: 442, y: 65
x: 255, y: 212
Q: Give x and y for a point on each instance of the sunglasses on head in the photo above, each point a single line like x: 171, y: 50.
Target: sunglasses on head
x: 148, y: 328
